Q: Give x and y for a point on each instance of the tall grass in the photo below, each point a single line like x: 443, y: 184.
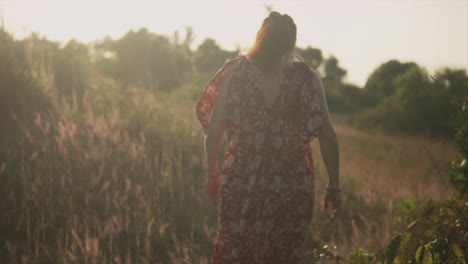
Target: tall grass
x: 107, y: 183
x: 385, y: 178
x: 117, y: 177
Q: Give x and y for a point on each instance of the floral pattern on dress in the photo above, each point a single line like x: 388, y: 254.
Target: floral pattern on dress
x: 267, y: 181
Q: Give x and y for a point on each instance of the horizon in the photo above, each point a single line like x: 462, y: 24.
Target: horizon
x: 433, y: 34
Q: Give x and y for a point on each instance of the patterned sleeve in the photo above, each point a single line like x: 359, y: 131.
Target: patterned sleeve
x: 311, y: 108
x: 209, y: 96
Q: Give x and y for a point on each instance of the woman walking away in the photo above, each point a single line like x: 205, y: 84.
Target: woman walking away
x: 270, y: 107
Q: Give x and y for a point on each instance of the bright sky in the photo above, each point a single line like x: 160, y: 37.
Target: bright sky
x: 362, y: 34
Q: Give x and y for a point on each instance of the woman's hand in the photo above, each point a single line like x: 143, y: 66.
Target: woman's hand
x: 213, y: 186
x: 333, y: 201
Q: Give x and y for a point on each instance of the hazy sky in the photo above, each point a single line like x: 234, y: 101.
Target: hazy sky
x: 361, y: 34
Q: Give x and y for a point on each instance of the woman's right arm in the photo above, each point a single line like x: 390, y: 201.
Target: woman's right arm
x: 329, y: 150
x: 327, y: 137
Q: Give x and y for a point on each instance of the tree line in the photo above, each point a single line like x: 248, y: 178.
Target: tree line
x: 398, y: 96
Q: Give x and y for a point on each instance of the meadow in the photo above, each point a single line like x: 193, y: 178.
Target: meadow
x: 122, y: 181
x: 102, y: 156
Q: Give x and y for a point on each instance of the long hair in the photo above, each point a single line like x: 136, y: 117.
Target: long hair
x: 275, y: 37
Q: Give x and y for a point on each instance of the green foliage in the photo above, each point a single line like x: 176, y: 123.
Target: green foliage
x: 71, y: 69
x: 21, y: 93
x: 459, y: 177
x: 312, y: 56
x: 144, y: 59
x: 417, y: 104
x: 459, y: 169
x: 333, y: 72
x: 155, y: 62
x: 439, y: 251
x: 407, y: 210
x: 440, y: 233
x: 360, y: 256
x: 209, y: 56
x: 381, y: 83
x: 341, y: 97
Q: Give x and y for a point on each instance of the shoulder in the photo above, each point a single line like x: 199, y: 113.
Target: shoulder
x: 234, y: 61
x: 306, y: 72
x: 230, y: 68
x: 232, y: 65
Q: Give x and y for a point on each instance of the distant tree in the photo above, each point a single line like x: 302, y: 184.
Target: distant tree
x: 188, y: 40
x: 454, y: 80
x: 105, y: 59
x: 72, y: 69
x: 341, y: 97
x: 418, y: 103
x: 333, y: 72
x: 381, y: 83
x: 312, y: 56
x: 136, y: 52
x: 13, y: 57
x: 21, y: 94
x: 209, y: 56
x: 145, y: 59
x: 40, y: 55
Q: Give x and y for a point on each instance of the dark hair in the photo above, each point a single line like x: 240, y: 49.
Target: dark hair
x: 276, y: 36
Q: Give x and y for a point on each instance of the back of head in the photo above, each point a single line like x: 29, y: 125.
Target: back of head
x: 276, y: 36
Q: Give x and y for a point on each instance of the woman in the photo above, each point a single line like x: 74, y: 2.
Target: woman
x: 270, y: 108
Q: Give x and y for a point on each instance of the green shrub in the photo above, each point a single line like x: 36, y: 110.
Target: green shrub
x: 440, y: 233
x: 418, y: 105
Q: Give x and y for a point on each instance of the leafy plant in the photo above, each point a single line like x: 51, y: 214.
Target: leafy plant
x: 440, y: 234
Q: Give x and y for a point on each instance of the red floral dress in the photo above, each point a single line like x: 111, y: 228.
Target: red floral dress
x: 267, y: 182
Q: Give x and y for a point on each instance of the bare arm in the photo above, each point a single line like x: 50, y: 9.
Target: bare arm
x: 328, y: 140
x: 327, y: 137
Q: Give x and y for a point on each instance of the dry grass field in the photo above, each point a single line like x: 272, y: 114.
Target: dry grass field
x: 123, y: 182
x: 385, y: 178
x: 392, y: 166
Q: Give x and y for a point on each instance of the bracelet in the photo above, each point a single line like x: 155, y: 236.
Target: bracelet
x: 333, y: 190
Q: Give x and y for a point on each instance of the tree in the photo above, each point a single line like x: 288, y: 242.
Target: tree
x: 418, y: 103
x: 381, y: 83
x: 312, y: 56
x: 341, y: 97
x: 21, y: 94
x: 209, y: 56
x: 72, y: 69
x: 145, y: 59
x: 333, y: 72
x: 105, y: 58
